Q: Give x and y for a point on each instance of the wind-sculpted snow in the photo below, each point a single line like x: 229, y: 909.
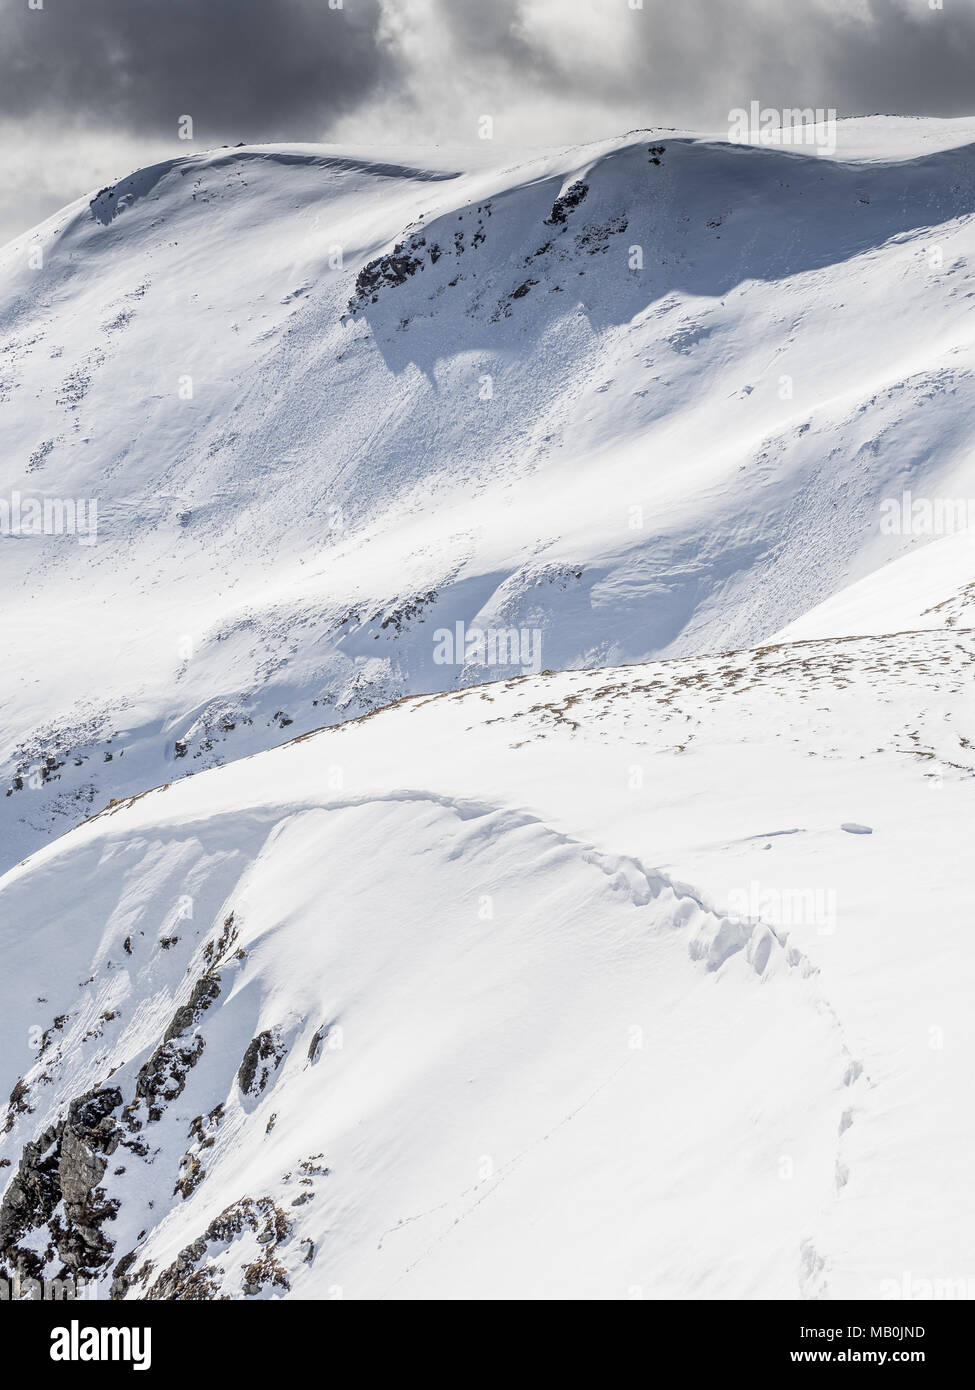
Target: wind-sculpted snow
x: 426, y: 1004
x: 557, y: 574
x: 638, y: 399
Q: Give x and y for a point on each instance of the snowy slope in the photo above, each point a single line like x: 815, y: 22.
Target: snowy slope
x: 929, y: 587
x: 643, y: 974
x: 533, y: 430
x: 578, y: 985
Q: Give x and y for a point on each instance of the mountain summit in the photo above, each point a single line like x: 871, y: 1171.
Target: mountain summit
x: 557, y: 570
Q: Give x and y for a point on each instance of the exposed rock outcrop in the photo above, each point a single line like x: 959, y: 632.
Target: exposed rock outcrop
x: 64, y: 1165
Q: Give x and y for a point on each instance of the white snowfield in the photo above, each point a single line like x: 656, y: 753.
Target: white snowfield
x: 657, y: 415
x: 568, y: 986
x: 644, y: 974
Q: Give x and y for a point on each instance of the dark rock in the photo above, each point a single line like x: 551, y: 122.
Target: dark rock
x: 65, y: 1164
x: 569, y: 200
x: 262, y: 1057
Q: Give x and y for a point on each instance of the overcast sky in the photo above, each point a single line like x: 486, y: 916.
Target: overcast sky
x: 91, y: 89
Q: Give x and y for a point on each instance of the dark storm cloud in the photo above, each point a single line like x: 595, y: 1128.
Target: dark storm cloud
x: 252, y: 69
x: 91, y: 88
x: 909, y: 60
x: 272, y: 69
x: 690, y: 59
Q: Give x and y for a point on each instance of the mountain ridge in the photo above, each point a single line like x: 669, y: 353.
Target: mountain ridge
x: 561, y: 504
x: 569, y: 897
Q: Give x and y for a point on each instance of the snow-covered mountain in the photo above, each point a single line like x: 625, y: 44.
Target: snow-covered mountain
x: 641, y: 969
x: 574, y: 985
x: 633, y: 400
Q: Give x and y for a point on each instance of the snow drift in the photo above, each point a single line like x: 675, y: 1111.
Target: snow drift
x: 624, y: 958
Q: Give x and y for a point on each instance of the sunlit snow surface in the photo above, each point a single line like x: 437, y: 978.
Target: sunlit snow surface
x: 574, y: 984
